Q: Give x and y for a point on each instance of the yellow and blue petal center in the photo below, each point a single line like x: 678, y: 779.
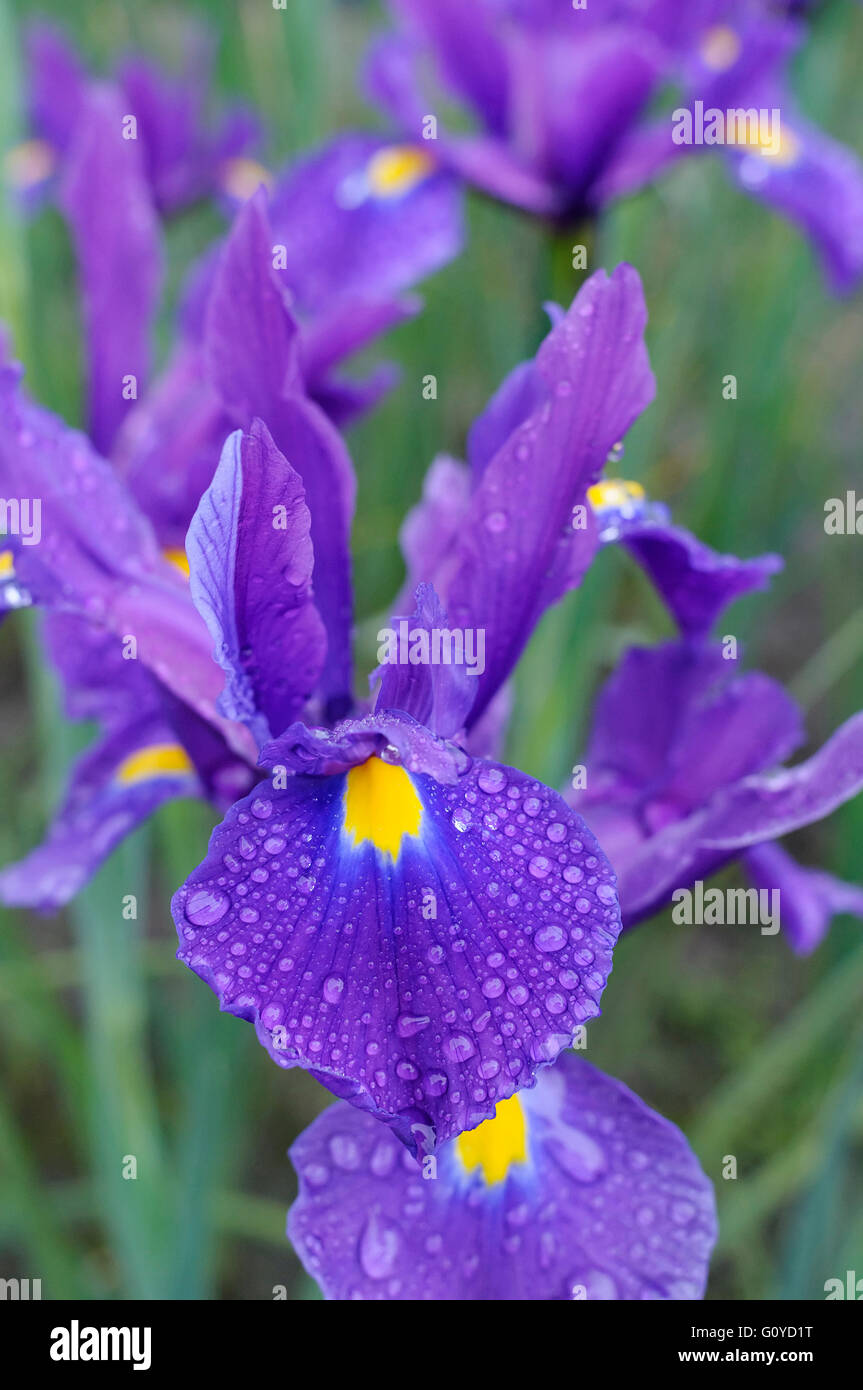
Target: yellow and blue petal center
x: 617, y: 495
x: 398, y: 169
x: 381, y: 805
x: 497, y: 1144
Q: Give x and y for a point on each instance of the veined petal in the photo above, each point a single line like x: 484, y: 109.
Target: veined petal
x: 575, y: 1190
x: 251, y: 579
x: 677, y: 721
x: 423, y: 949
x: 389, y: 733
x: 774, y: 803
x: 169, y: 445
x: 430, y: 528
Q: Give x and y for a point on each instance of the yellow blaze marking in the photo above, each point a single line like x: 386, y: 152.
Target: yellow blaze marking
x: 241, y: 177
x: 720, y: 48
x: 178, y: 558
x: 7, y: 564
x: 497, y: 1143
x: 398, y: 169
x: 159, y: 760
x: 381, y: 805
x: 614, y: 492
x: 785, y: 155
x: 29, y: 163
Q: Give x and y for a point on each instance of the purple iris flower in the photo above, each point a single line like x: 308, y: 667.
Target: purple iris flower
x: 563, y: 100
x: 574, y: 1190
x: 420, y: 927
x: 685, y: 763
x: 184, y: 159
x: 166, y: 446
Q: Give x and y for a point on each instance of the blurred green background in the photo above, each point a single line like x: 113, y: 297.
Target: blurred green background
x: 109, y: 1047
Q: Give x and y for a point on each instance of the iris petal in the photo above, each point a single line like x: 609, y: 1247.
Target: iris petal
x: 425, y: 984
x: 610, y: 1203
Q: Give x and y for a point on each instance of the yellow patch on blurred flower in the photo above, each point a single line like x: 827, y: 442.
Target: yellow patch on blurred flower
x: 241, y: 177
x: 29, y: 164
x: 159, y: 760
x: 397, y: 170
x: 720, y: 48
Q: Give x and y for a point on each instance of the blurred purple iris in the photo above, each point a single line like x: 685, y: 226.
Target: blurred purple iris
x: 685, y: 758
x: 184, y: 158
x: 572, y: 107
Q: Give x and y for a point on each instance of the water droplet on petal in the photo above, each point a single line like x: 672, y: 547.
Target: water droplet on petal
x: 206, y: 906
x: 379, y: 1248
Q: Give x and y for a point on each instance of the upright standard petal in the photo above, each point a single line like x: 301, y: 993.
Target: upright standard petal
x: 521, y: 545
x: 57, y: 86
x: 250, y: 345
x: 422, y: 947
x: 575, y: 1190
x: 470, y: 50
x: 250, y: 335
x: 251, y: 560
x: 107, y: 202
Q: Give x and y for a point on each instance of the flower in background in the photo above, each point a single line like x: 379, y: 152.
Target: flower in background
x: 564, y: 100
x: 684, y: 763
x: 183, y: 158
x: 345, y: 264
x: 574, y: 1190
